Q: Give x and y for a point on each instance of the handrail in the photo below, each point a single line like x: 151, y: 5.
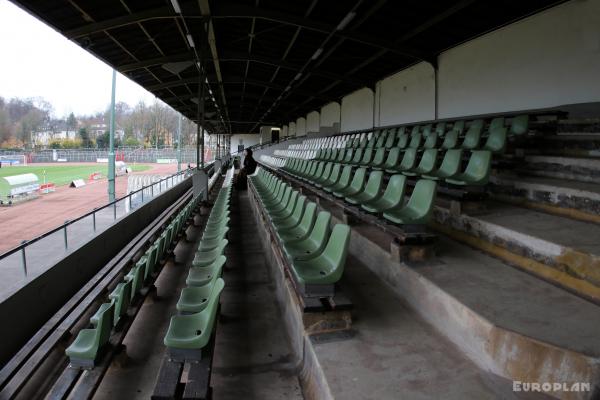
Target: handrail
x: 24, y: 244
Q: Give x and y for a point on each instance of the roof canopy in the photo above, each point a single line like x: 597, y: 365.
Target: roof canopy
x: 268, y: 61
x: 23, y: 179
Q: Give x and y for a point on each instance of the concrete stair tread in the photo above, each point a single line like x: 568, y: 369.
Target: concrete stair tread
x: 585, y: 162
x: 394, y: 353
x: 551, y: 229
x: 515, y: 300
x: 583, y: 188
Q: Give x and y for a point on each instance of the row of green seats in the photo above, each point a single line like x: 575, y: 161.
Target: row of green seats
x: 397, y: 137
x: 476, y: 173
x: 495, y: 142
x: 191, y: 330
x: 84, y: 350
x: 316, y: 253
x: 369, y: 193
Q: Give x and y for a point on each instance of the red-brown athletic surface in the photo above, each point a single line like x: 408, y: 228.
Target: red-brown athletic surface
x: 32, y: 218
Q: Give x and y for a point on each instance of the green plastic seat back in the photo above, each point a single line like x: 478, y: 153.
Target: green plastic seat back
x: 341, y: 155
x: 409, y: 159
x: 374, y: 184
x: 401, y: 131
x: 478, y: 123
x: 105, y: 323
x: 402, y: 141
x: 333, y: 154
x: 363, y: 142
x: 138, y: 280
x: 479, y: 164
x: 345, y: 177
x: 320, y: 153
x: 123, y: 300
x: 426, y: 130
x: 459, y: 126
x: 298, y: 209
x: 320, y: 231
x: 422, y: 198
x: 356, y: 143
x: 348, y: 156
x: 496, y: 142
x: 336, y: 251
x: 335, y: 173
x: 415, y: 141
x: 440, y: 128
x: 428, y: 159
x: 371, y: 142
x: 472, y: 137
x: 327, y: 154
x: 381, y: 140
x: 450, y: 140
x: 414, y: 130
x: 389, y: 143
x: 292, y: 202
x: 357, y: 156
x: 313, y: 167
x: 431, y: 141
x: 379, y: 156
x: 451, y: 162
x: 519, y: 125
x: 327, y: 171
x: 367, y: 155
x: 308, y: 218
x: 319, y: 170
x: 394, y: 192
x: 392, y: 157
x: 358, y: 181
x: 496, y: 123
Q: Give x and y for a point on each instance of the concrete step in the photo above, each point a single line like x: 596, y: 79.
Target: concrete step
x: 559, y: 249
x: 573, y: 199
x: 573, y: 168
x: 508, y: 322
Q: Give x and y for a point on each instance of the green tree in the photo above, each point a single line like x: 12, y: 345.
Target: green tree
x: 85, y: 137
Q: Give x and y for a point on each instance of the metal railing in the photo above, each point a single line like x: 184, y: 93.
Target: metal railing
x: 76, y: 232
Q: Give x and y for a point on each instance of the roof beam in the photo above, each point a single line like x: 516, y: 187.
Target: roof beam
x: 151, y: 62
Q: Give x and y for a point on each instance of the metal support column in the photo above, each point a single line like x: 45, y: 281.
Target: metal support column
x: 179, y: 144
x: 111, y: 150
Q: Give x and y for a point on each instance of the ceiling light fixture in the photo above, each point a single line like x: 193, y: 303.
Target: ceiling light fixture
x: 343, y: 23
x: 298, y: 76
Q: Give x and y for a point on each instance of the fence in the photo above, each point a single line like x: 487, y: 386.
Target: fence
x: 34, y: 256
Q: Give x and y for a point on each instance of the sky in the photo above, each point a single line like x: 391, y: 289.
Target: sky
x: 37, y: 61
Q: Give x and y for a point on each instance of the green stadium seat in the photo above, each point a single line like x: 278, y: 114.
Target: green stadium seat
x: 392, y: 197
x: 415, y: 141
x: 378, y: 158
x: 408, y: 161
x: 371, y: 142
x: 201, y: 276
x: 431, y: 141
x: 459, y: 127
x: 367, y: 156
x: 402, y: 141
x: 287, y: 211
x: 496, y: 123
x: 324, y: 175
x: 477, y: 172
x: 342, y: 183
x: 194, y: 299
x: 450, y: 165
x: 392, y: 159
x: 357, y: 184
x: 390, y: 141
x: 136, y: 277
x: 121, y: 297
x: 314, y: 243
x: 341, y: 155
x: 292, y: 220
x: 348, y: 156
x: 83, y: 351
x: 302, y: 229
x: 194, y: 331
x: 440, y: 129
x: 333, y: 177
x: 326, y: 268
x: 205, y: 258
x: 357, y: 156
x: 450, y: 140
x: 496, y: 141
x: 419, y: 207
x: 472, y: 137
x: 519, y: 125
x: 371, y: 191
x: 427, y: 163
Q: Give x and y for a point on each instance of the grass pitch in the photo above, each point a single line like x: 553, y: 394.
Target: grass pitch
x: 61, y: 174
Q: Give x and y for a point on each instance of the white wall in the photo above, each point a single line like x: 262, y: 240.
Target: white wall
x: 301, y: 126
x: 284, y: 131
x: 357, y: 110
x: 330, y: 114
x: 292, y: 129
x: 406, y: 96
x: 549, y: 59
x: 247, y: 139
x: 312, y: 122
